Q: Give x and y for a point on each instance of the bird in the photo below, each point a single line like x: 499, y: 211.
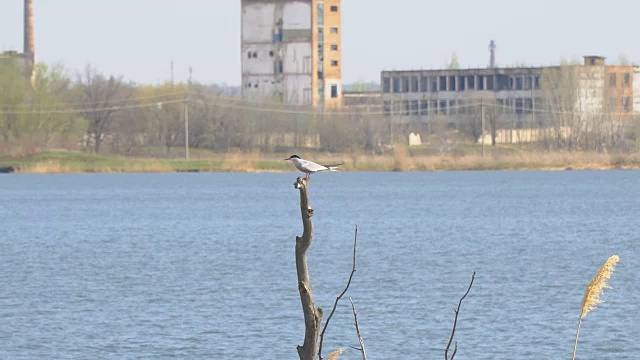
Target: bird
x: 309, y: 167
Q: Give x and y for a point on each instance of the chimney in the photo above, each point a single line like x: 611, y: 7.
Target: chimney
x: 29, y: 43
x: 492, y: 59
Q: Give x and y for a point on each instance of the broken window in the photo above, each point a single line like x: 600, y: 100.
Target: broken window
x: 271, y: 53
x: 396, y: 85
x: 527, y: 82
x: 627, y: 80
x: 334, y: 30
x: 519, y: 83
x: 511, y: 83
x: 626, y: 103
x: 433, y: 107
x: 334, y: 62
x: 536, y: 81
x: 255, y: 54
x: 334, y: 47
x: 415, y: 83
x: 334, y: 91
x: 613, y: 80
x: 519, y: 109
x: 471, y: 82
x: 480, y: 82
x: 424, y: 84
x: 249, y: 55
x: 424, y: 107
x: 334, y: 8
x: 452, y: 83
x: 528, y: 105
x: 415, y: 107
x: 453, y: 108
x: 278, y: 67
x: 491, y: 82
x: 442, y: 107
x: 386, y: 85
x: 443, y: 83
x: 461, y: 84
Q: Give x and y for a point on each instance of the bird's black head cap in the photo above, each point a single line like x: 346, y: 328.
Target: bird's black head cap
x: 294, y: 156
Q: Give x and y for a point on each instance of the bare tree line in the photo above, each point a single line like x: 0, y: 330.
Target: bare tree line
x: 105, y: 114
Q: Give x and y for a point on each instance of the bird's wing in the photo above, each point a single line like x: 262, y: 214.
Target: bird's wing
x: 311, y: 166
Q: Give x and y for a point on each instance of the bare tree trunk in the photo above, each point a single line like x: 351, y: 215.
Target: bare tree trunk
x: 312, y: 314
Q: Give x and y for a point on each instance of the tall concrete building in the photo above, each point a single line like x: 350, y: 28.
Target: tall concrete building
x: 291, y: 52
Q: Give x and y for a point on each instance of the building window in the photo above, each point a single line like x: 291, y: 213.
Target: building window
x: 405, y: 108
x: 443, y: 83
x: 442, y: 107
x: 471, y: 82
x: 424, y: 84
x: 626, y: 103
x: 536, y: 82
x: 334, y: 30
x: 386, y: 108
x: 627, y: 80
x: 415, y: 107
x: 415, y: 81
x: 519, y: 82
x: 334, y: 91
x: 334, y: 47
x: 480, y: 82
x: 452, y: 83
x: 461, y: 84
x: 334, y: 8
x: 527, y: 82
x: 386, y: 85
x: 490, y: 82
x: 424, y: 107
x: 405, y: 84
x: 334, y: 62
x: 613, y: 80
x: 396, y: 85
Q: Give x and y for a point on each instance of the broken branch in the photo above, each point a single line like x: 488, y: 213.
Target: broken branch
x: 355, y: 317
x: 455, y: 322
x: 335, y: 304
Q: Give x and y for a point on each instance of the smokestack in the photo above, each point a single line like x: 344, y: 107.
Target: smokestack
x: 492, y: 59
x: 29, y: 43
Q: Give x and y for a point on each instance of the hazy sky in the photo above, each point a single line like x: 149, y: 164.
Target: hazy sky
x: 139, y: 38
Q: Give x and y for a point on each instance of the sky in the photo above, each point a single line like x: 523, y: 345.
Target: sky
x: 138, y: 39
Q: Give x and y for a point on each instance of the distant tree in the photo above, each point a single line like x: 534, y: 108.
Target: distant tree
x: 453, y: 63
x: 102, y: 98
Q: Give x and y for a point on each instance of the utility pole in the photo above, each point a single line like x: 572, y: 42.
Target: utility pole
x: 482, y: 121
x: 186, y: 117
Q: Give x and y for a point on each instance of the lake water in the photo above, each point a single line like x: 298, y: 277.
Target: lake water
x: 201, y: 266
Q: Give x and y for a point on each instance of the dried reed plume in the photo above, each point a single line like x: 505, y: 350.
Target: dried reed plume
x: 594, y: 290
x: 335, y: 355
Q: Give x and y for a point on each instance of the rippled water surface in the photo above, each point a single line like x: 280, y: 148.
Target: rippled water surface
x: 201, y: 266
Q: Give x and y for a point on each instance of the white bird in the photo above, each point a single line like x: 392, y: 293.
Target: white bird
x: 309, y: 167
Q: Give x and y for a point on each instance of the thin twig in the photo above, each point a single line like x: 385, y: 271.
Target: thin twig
x: 353, y: 270
x: 455, y: 322
x: 355, y: 317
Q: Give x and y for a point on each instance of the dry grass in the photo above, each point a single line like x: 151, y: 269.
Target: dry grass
x: 400, y: 160
x: 595, y: 288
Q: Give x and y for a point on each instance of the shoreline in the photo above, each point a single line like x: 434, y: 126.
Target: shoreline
x: 76, y: 162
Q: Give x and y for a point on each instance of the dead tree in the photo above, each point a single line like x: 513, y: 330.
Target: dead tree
x: 312, y: 314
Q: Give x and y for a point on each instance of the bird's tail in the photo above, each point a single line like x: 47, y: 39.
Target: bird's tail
x: 333, y: 167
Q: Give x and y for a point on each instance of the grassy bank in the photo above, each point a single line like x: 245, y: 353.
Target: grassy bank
x: 401, y: 160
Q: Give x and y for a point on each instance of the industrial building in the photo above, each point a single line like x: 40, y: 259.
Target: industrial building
x: 291, y: 52
x: 517, y: 95
x: 27, y: 59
